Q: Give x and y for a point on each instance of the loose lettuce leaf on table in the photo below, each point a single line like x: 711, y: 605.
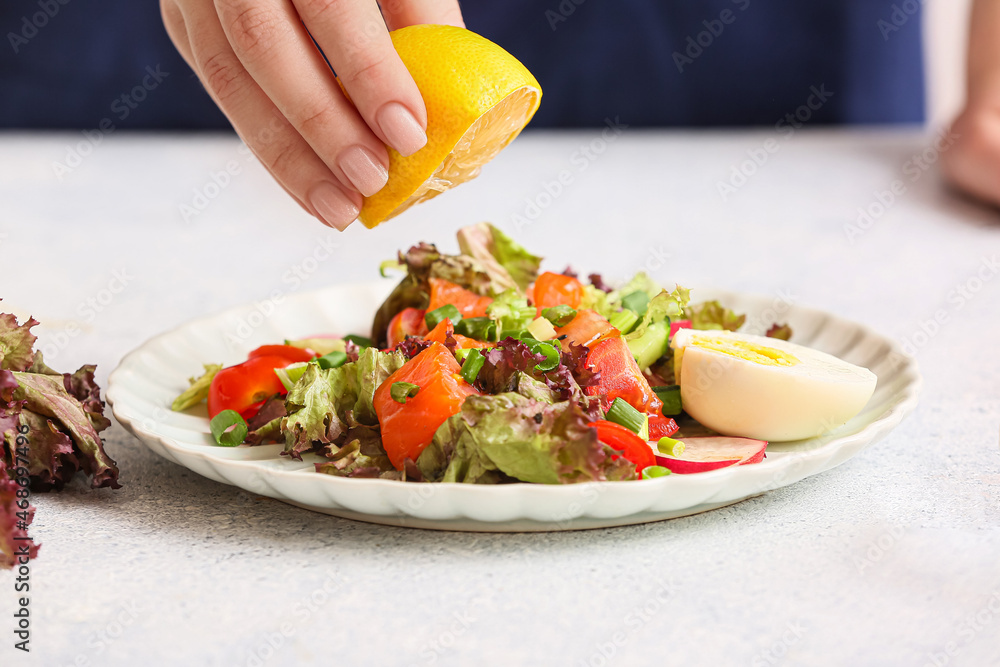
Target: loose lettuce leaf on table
x: 47, y: 397
x: 509, y: 435
x: 16, y: 343
x: 15, y: 547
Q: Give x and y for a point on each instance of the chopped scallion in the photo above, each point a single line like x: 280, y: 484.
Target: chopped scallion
x: 229, y: 429
x: 474, y: 361
x: 400, y: 391
x: 671, y: 396
x: 624, y: 414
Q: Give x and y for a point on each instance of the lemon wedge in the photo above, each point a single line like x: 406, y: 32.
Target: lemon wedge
x: 478, y: 99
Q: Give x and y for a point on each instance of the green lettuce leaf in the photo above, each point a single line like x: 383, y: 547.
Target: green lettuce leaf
x: 663, y: 308
x: 361, y: 455
x: 712, y: 315
x: 423, y: 262
x: 506, y: 261
x: 198, y: 391
x: 511, y: 311
x: 510, y: 436
x: 16, y: 343
x: 324, y: 403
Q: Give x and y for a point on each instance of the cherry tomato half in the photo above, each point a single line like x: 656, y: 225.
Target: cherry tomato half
x: 631, y: 446
x: 288, y: 352
x: 245, y: 386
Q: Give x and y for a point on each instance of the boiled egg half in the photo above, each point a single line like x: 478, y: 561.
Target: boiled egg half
x: 765, y: 388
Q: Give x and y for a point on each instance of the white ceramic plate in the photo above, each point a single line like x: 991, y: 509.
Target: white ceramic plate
x: 147, y: 380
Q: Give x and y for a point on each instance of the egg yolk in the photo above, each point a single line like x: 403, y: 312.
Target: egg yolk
x: 741, y: 349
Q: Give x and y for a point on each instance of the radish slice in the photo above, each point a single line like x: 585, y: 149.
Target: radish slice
x: 712, y: 453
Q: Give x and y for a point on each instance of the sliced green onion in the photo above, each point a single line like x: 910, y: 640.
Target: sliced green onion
x: 390, y: 264
x: 652, y: 472
x: 519, y: 334
x: 228, y: 428
x: 560, y: 316
x: 474, y: 361
x: 671, y: 396
x: 637, y: 302
x: 461, y: 353
x: 480, y: 328
x: 400, y: 391
x: 290, y: 374
x: 333, y: 360
x: 624, y: 320
x: 670, y: 447
x: 438, y: 315
x: 360, y: 341
x: 540, y: 347
x: 624, y: 414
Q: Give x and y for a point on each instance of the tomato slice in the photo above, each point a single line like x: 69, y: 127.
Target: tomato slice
x: 468, y: 303
x: 661, y: 427
x: 244, y: 387
x: 289, y: 352
x: 631, y: 446
x: 407, y: 322
x: 588, y: 328
x: 555, y: 289
x: 407, y: 428
x: 621, y: 377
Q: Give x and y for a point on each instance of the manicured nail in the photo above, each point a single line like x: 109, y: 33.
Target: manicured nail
x: 401, y: 128
x: 364, y: 171
x: 333, y: 206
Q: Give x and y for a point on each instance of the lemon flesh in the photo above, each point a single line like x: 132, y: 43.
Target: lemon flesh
x: 478, y: 99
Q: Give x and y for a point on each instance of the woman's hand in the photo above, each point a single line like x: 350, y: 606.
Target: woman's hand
x: 973, y: 162
x: 258, y: 62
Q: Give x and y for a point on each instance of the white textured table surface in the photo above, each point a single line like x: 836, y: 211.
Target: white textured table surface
x: 890, y: 559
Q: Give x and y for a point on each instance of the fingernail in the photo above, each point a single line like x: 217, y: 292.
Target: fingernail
x: 401, y: 128
x: 333, y: 206
x: 364, y: 171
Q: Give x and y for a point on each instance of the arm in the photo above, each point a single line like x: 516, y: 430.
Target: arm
x: 973, y: 163
x: 257, y: 60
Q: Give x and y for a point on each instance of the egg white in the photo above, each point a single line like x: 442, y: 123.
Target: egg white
x: 787, y: 400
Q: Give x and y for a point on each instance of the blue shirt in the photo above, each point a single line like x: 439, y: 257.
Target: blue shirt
x: 645, y: 62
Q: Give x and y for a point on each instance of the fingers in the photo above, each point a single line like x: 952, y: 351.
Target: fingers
x: 973, y: 162
x: 265, y: 129
x: 270, y: 41
x: 354, y: 37
x: 401, y: 13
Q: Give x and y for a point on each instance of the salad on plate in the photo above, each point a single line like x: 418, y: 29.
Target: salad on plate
x: 482, y: 368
